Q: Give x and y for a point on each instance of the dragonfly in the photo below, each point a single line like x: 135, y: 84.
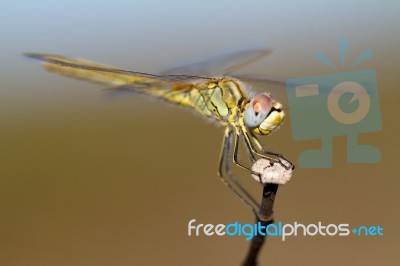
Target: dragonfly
x: 223, y: 98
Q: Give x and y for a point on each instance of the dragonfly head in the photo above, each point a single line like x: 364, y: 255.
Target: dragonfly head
x: 263, y: 114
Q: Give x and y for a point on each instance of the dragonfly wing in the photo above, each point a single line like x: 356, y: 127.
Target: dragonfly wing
x: 91, y: 71
x: 172, y: 88
x: 220, y: 65
x: 261, y: 78
x: 323, y: 88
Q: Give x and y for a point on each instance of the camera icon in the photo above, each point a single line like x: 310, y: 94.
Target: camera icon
x: 322, y: 107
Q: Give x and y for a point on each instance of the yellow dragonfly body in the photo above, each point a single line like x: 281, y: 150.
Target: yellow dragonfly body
x: 223, y: 99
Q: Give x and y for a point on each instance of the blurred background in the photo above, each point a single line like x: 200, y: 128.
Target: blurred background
x: 85, y: 180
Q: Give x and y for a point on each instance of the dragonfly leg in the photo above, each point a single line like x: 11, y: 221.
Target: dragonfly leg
x: 224, y: 165
x: 253, y: 159
x: 224, y: 172
x: 273, y: 157
x: 236, y: 161
x: 248, y: 150
x: 241, y: 165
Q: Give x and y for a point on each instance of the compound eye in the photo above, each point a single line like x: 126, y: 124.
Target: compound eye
x: 257, y: 110
x: 262, y: 104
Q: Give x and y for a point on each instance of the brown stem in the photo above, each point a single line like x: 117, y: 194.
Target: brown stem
x: 265, y: 218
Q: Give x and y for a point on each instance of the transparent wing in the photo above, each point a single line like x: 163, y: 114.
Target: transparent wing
x: 171, y: 88
x: 83, y: 69
x: 276, y: 81
x: 300, y: 87
x: 227, y: 63
x: 220, y: 65
x: 230, y: 62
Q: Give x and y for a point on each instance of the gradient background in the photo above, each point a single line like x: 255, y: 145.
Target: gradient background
x: 89, y: 181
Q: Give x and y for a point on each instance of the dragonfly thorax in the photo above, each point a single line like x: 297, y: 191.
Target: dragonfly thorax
x: 218, y: 100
